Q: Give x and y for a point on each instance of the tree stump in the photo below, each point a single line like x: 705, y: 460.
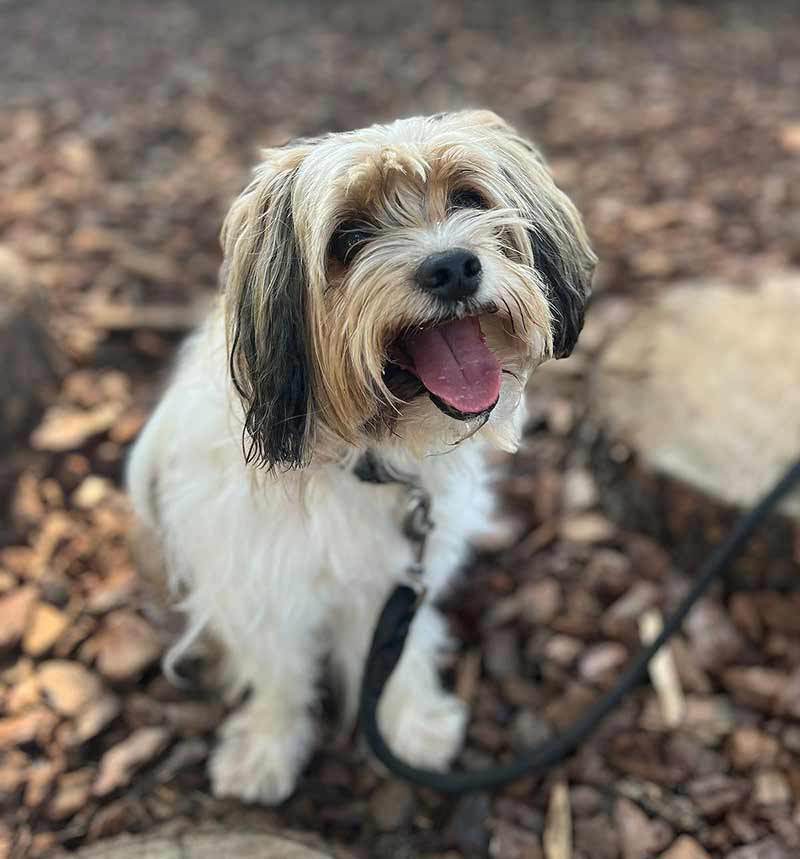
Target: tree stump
x: 32, y: 365
x: 216, y: 844
x: 698, y: 397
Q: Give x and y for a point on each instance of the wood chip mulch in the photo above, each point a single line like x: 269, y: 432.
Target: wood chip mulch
x: 125, y: 131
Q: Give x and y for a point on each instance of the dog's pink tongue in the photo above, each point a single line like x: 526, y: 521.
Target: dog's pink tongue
x: 455, y: 364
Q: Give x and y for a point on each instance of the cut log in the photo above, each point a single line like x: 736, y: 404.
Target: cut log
x: 698, y: 397
x: 32, y: 365
x: 201, y: 845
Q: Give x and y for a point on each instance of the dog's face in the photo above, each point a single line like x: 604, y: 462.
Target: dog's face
x: 401, y: 279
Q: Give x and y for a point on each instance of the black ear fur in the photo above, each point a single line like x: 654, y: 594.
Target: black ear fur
x: 561, y: 252
x: 269, y: 361
x: 567, y: 289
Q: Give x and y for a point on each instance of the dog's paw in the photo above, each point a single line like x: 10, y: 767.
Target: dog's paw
x: 426, y: 729
x: 255, y: 762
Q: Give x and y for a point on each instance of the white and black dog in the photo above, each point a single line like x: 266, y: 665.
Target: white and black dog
x: 385, y: 290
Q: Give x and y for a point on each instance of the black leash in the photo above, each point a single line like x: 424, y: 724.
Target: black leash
x: 398, y: 613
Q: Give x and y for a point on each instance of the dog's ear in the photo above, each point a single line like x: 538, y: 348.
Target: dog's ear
x: 559, y: 245
x: 568, y: 285
x: 265, y: 294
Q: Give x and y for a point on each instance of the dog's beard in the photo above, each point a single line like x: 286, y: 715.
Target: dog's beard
x: 423, y: 422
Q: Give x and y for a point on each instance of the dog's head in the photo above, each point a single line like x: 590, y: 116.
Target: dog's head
x: 400, y: 279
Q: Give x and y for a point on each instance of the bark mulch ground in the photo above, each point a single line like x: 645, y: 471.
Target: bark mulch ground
x: 125, y: 130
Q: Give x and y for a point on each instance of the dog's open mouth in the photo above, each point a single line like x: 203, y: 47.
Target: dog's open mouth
x: 453, y: 363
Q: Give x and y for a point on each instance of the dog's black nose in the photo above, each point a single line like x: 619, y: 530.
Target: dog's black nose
x: 450, y: 275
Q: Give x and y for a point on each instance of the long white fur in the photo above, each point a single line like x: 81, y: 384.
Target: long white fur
x: 283, y: 568
x: 282, y: 573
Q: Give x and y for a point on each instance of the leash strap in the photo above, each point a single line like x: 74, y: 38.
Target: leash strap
x: 398, y: 613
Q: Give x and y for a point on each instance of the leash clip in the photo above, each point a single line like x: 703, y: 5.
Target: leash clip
x: 417, y: 525
x: 413, y: 579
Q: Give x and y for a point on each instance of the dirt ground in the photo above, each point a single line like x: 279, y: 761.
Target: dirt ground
x: 125, y: 130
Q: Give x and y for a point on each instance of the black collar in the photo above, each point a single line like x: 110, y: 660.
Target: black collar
x: 370, y: 468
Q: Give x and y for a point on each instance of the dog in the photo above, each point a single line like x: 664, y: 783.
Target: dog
x: 385, y: 291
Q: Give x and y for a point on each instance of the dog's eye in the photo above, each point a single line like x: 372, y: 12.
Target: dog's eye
x: 467, y: 198
x: 347, y: 239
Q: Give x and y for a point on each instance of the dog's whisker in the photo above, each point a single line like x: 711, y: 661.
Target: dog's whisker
x: 510, y: 317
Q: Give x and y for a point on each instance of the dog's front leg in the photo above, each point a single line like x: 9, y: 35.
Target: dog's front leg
x: 422, y: 723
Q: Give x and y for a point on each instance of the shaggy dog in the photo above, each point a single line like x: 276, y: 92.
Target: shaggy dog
x: 385, y: 292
